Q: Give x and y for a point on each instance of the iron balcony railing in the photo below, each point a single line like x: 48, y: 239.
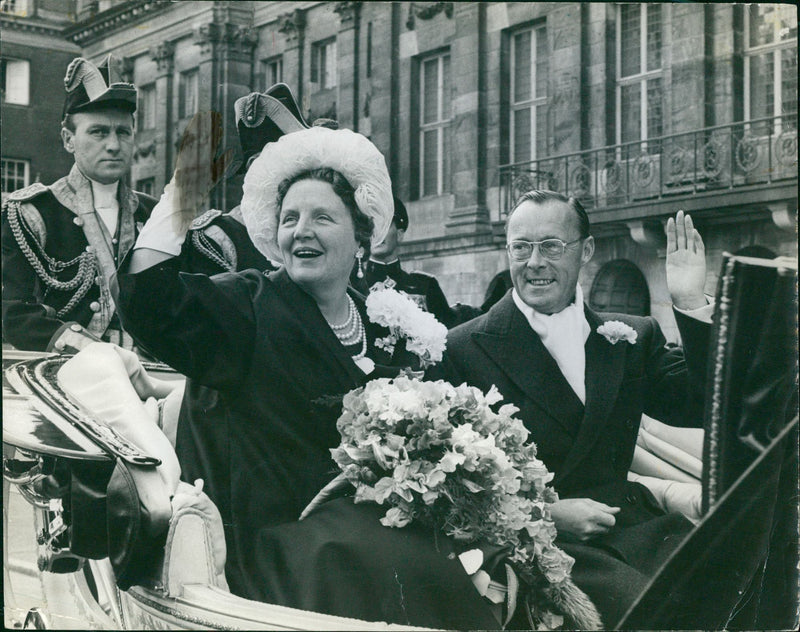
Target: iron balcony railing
x: 760, y: 151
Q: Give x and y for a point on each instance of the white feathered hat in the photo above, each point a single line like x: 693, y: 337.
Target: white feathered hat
x: 343, y: 150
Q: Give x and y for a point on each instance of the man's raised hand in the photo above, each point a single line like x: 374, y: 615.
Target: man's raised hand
x: 686, y: 263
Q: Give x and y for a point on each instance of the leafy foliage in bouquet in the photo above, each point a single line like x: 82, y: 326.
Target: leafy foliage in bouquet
x: 441, y: 455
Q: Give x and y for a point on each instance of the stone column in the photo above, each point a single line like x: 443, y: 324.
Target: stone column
x: 468, y: 149
x: 293, y: 26
x: 348, y: 62
x: 164, y: 55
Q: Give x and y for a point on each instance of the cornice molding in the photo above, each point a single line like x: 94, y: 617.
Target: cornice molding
x: 292, y: 25
x: 94, y: 28
x: 27, y: 25
x: 427, y: 11
x: 348, y: 11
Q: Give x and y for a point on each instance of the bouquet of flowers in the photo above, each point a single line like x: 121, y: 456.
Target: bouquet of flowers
x: 439, y: 454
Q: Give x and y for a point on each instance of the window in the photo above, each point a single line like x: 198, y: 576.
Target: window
x: 146, y: 109
x: 14, y: 174
x: 529, y: 73
x: 770, y: 60
x: 323, y: 64
x: 640, y: 88
x: 434, y: 125
x: 14, y: 7
x: 15, y: 81
x: 271, y: 72
x: 188, y: 94
x: 146, y: 185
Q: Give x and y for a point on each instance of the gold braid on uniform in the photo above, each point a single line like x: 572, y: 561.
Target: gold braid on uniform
x: 87, y: 266
x: 204, y: 245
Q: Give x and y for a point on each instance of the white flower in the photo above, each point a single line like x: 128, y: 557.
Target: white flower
x: 615, y: 330
x: 426, y: 336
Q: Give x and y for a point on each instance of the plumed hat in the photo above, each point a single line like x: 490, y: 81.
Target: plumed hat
x: 400, y: 214
x: 343, y: 150
x: 263, y: 118
x: 90, y: 88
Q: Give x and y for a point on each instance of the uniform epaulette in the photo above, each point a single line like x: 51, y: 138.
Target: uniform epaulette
x: 205, y: 219
x: 28, y: 193
x: 422, y: 274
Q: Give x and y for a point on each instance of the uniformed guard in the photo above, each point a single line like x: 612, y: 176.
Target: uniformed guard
x: 62, y: 243
x: 423, y: 288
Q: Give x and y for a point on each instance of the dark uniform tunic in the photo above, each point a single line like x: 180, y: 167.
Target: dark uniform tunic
x: 421, y: 287
x: 59, y: 266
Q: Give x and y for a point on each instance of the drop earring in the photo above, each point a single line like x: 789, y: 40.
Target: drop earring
x: 359, y: 257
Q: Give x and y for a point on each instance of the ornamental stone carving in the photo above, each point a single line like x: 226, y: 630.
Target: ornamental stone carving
x: 348, y: 12
x: 292, y: 25
x: 163, y: 54
x: 426, y: 11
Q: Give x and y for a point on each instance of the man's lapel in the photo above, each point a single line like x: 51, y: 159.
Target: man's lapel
x: 605, y: 366
x: 511, y: 342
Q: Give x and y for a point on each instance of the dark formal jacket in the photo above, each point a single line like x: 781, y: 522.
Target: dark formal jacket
x: 590, y: 447
x: 58, y: 266
x: 217, y: 242
x: 263, y: 344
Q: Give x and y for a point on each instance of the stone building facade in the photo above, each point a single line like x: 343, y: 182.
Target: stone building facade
x: 33, y: 59
x: 637, y: 109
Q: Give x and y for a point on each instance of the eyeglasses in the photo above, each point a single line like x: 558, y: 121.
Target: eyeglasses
x: 552, y: 249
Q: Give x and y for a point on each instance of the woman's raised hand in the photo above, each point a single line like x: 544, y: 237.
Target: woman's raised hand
x: 198, y: 167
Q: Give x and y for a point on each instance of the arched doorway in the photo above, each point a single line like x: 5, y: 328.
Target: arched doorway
x: 620, y: 287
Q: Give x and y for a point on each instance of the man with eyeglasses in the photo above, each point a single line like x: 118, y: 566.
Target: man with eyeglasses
x: 582, y: 382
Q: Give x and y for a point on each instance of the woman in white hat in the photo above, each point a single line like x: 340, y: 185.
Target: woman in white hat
x: 282, y: 348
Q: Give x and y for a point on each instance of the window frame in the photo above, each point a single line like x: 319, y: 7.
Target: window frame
x: 324, y: 65
x: 642, y: 77
x: 146, y: 110
x: 143, y: 183
x: 26, y: 176
x: 774, y: 48
x: 268, y: 66
x: 439, y: 125
x: 25, y: 63
x: 194, y: 74
x: 535, y: 101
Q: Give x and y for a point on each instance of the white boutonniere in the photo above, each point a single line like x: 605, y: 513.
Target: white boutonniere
x: 425, y: 336
x: 615, y: 330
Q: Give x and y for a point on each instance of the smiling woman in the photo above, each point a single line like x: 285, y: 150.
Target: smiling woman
x: 282, y: 349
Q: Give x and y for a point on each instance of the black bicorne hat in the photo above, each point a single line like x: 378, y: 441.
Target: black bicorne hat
x: 91, y: 88
x: 400, y: 218
x: 263, y: 117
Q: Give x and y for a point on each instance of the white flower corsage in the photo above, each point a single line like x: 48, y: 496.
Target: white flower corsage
x: 615, y: 330
x: 426, y: 336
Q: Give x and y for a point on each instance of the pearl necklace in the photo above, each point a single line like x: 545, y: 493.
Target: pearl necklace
x: 352, y: 332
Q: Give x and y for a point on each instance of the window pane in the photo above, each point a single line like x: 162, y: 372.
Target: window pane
x: 541, y: 132
x: 17, y: 81
x: 522, y: 66
x: 631, y: 112
x: 788, y: 80
x: 541, y: 63
x: 430, y: 163
x: 430, y: 89
x: 655, y: 100
x: 445, y: 115
x: 445, y: 184
x: 522, y: 134
x: 788, y: 22
x: 12, y: 175
x: 762, y: 24
x: 330, y: 66
x: 630, y: 39
x: 761, y: 85
x: 653, y: 36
